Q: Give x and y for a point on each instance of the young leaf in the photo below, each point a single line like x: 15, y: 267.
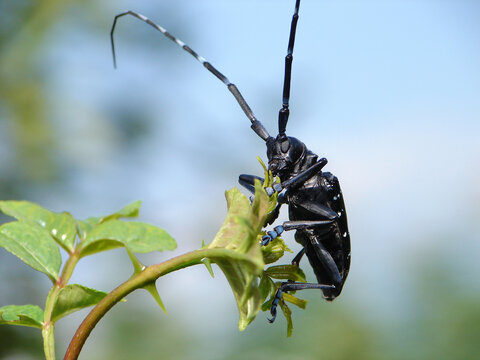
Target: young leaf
x: 266, y: 306
x: 301, y: 303
x: 83, y: 228
x: 239, y: 233
x: 33, y: 245
x: 60, y: 225
x: 99, y: 245
x: 73, y: 298
x: 269, y: 180
x: 274, y: 250
x: 266, y: 286
x: 286, y: 272
x: 137, y: 236
x: 288, y: 315
x: 26, y: 315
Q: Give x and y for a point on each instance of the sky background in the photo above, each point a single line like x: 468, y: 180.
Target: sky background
x: 387, y: 91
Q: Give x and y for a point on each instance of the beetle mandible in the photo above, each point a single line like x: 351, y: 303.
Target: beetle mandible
x: 314, y: 198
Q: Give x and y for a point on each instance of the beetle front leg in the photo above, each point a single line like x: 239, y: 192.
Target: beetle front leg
x: 296, y: 181
x: 248, y: 181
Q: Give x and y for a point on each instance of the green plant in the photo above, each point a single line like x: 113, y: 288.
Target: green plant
x: 37, y: 234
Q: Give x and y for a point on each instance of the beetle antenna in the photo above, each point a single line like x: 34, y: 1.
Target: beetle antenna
x: 284, y: 111
x: 256, y: 124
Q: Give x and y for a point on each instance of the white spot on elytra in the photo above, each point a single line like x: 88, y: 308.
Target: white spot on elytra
x: 345, y: 234
x: 64, y: 236
x: 42, y: 222
x: 54, y: 232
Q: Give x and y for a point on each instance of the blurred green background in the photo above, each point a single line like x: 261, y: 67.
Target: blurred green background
x: 388, y: 91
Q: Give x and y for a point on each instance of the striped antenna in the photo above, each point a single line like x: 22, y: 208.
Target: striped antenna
x: 256, y: 125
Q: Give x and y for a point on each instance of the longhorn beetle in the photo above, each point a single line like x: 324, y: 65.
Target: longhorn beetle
x: 315, y: 202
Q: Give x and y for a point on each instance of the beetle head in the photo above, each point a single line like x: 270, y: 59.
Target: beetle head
x: 283, y: 153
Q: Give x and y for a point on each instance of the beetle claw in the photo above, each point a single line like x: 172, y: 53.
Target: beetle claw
x: 266, y: 240
x: 273, y: 318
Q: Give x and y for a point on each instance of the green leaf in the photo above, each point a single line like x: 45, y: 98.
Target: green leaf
x: 288, y: 315
x: 25, y: 315
x: 268, y: 181
x: 274, y: 250
x: 99, y: 246
x: 83, y: 228
x: 33, y: 245
x: 286, y: 272
x: 60, y: 225
x: 239, y: 233
x: 128, y: 211
x: 301, y: 303
x: 137, y: 236
x: 266, y: 306
x: 266, y: 286
x: 73, y: 298
x: 267, y: 175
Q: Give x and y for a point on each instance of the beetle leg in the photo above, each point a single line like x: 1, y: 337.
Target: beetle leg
x: 305, y: 224
x: 272, y: 234
x: 292, y: 286
x: 314, y: 244
x: 327, y: 260
x: 248, y: 181
x: 293, y: 225
x: 301, y: 178
x: 298, y: 257
x: 317, y: 209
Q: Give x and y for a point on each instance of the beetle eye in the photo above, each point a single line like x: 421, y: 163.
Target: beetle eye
x: 285, y: 145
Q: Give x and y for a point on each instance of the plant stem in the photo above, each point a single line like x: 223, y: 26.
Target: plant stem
x: 48, y: 334
x: 48, y: 329
x: 147, y: 276
x: 68, y: 268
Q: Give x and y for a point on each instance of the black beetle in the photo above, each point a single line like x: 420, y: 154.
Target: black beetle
x: 316, y: 212
x: 316, y: 206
